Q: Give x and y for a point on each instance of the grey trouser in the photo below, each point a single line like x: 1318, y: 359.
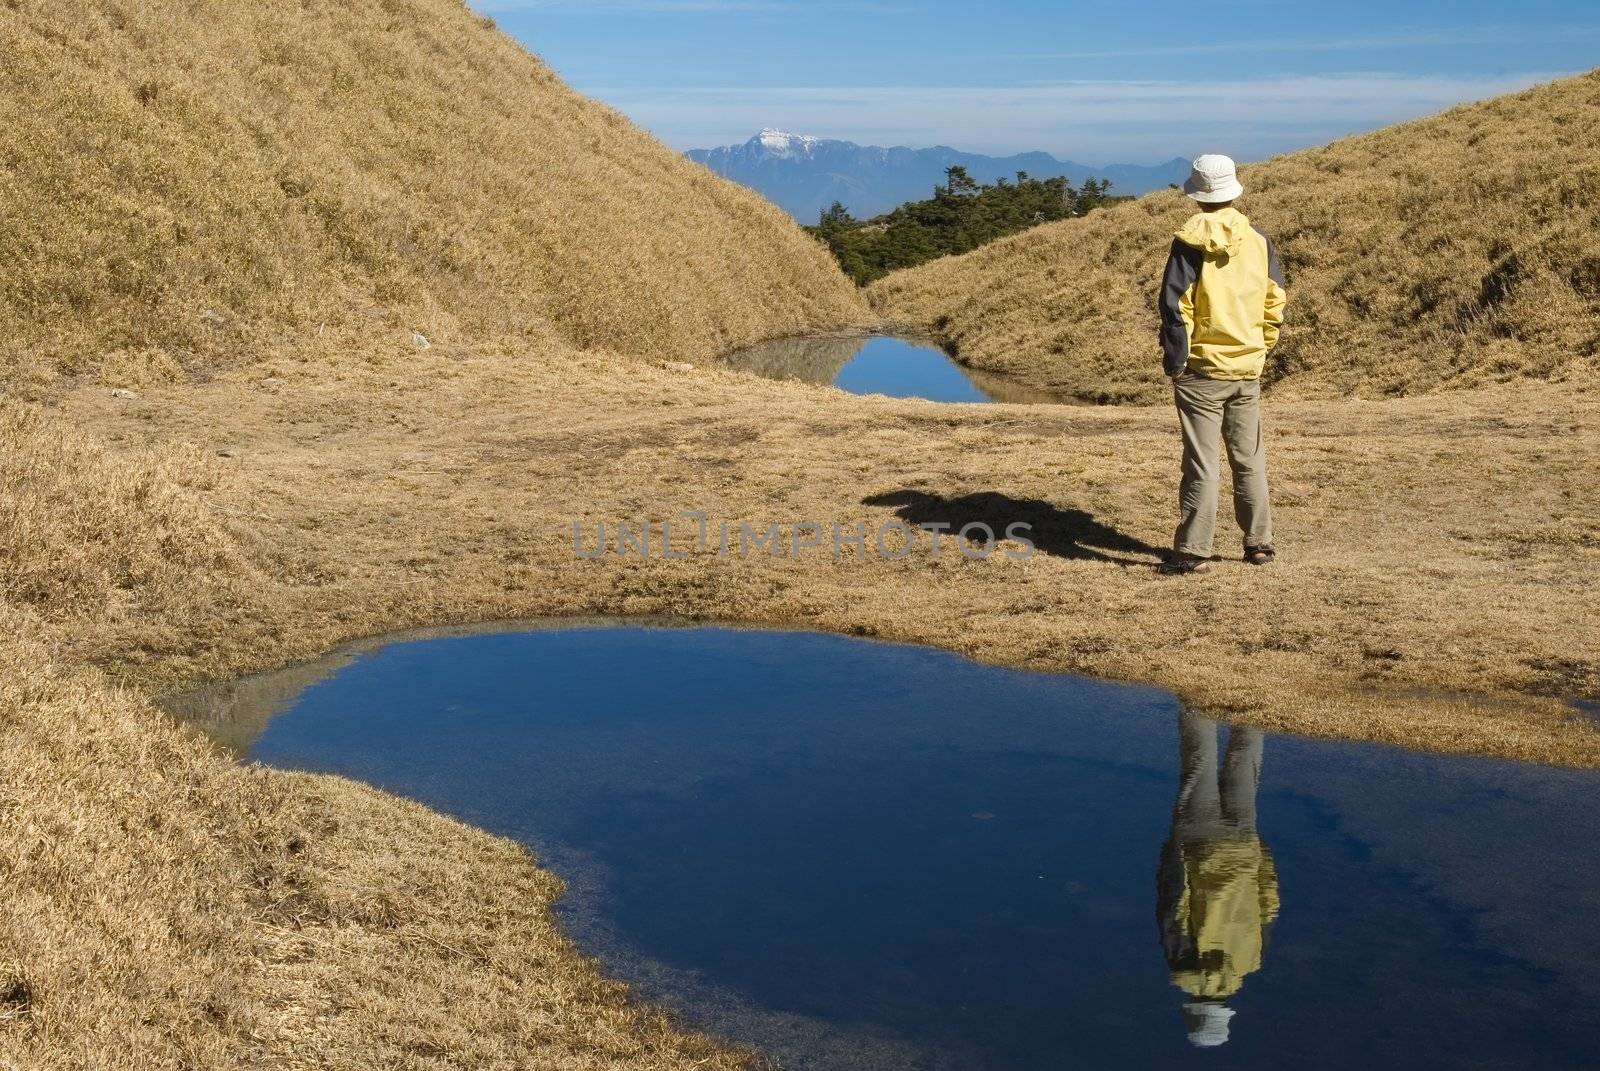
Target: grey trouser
x: 1215, y: 803
x: 1228, y: 410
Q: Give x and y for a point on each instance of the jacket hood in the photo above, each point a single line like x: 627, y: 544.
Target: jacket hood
x: 1222, y: 231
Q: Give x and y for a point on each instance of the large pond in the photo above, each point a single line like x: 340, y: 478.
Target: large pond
x: 880, y: 364
x: 855, y: 854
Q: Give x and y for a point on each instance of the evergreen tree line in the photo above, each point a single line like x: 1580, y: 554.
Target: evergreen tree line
x: 959, y: 217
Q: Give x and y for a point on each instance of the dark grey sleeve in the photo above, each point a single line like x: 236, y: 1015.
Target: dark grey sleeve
x: 1274, y: 269
x: 1183, y: 268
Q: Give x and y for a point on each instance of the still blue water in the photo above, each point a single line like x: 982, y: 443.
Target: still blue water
x: 874, y: 364
x: 857, y: 854
x: 902, y: 369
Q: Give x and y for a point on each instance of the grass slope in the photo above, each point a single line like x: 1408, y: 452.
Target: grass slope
x: 328, y: 178
x: 1455, y: 251
x: 194, y: 193
x: 167, y: 908
x: 184, y: 184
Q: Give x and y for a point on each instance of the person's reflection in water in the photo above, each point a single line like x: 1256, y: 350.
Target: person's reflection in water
x: 1217, y: 890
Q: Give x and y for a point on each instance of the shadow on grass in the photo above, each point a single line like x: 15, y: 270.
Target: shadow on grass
x: 1065, y: 533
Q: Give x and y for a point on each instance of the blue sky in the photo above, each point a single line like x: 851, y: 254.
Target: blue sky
x: 1097, y: 83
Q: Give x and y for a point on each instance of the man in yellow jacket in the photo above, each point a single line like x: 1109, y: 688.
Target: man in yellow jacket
x: 1222, y: 301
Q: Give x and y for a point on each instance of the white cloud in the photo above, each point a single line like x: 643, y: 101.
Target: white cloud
x: 1091, y: 121
x: 1481, y: 35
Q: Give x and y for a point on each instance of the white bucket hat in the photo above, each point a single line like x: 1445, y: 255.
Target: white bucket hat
x: 1207, y: 1023
x: 1213, y: 180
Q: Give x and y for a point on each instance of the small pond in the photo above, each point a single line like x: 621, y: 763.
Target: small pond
x: 855, y: 854
x: 879, y: 364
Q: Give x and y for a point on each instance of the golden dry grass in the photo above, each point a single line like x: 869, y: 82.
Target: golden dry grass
x: 299, y: 189
x: 1456, y: 251
x: 299, y: 472
x: 246, y: 915
x: 428, y: 507
x: 184, y: 185
x: 167, y: 909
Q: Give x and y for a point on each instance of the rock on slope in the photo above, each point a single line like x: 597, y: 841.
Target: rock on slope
x: 1454, y: 251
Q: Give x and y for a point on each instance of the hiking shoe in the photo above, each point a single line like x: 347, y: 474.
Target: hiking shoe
x: 1182, y: 564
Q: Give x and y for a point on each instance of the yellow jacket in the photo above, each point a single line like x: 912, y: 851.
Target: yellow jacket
x: 1220, y: 897
x: 1222, y: 297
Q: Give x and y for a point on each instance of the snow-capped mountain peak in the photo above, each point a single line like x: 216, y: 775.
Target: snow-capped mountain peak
x: 804, y: 175
x: 782, y: 143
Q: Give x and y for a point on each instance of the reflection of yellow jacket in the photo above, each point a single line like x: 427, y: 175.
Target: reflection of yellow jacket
x: 1222, y: 297
x: 1229, y: 894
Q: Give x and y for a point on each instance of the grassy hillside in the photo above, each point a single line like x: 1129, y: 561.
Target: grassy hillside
x: 218, y: 193
x: 1455, y: 251
x: 182, y: 183
x: 246, y: 209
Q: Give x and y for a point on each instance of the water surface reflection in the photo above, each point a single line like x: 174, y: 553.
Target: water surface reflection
x: 865, y: 855
x: 881, y: 364
x: 1217, y: 889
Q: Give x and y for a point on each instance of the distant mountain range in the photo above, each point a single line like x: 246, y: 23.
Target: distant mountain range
x: 804, y: 175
